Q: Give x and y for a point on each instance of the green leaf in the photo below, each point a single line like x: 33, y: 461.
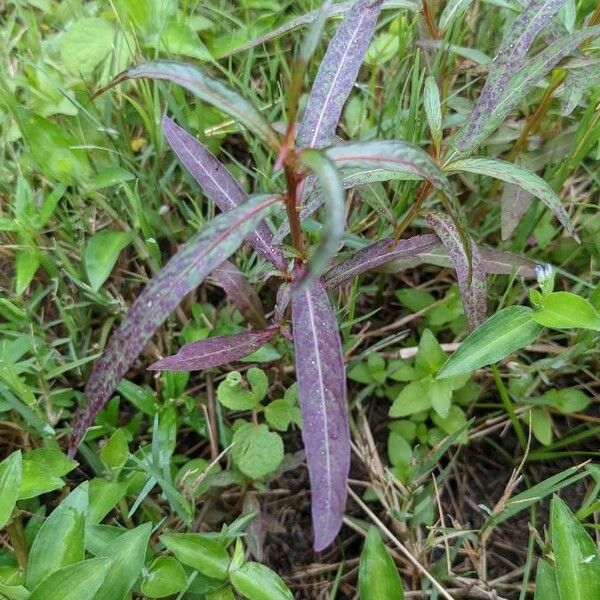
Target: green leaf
x: 127, y: 554
x: 257, y: 582
x: 567, y: 400
x: 101, y: 254
x: 233, y: 393
x: 399, y: 450
x: 164, y: 578
x: 60, y: 542
x: 104, y: 496
x: 256, y: 450
x: 503, y: 333
x: 453, y: 422
x: 115, y: 452
x: 208, y: 90
x: 511, y: 173
x: 279, y: 414
x: 378, y: 577
x: 430, y: 356
x: 178, y: 38
x: 79, y: 581
x: 440, y: 396
x: 412, y: 399
x: 258, y: 382
x: 200, y: 552
x: 575, y: 555
x: 545, y: 582
x: 335, y: 219
x: 10, y: 481
x: 433, y: 110
x: 563, y: 310
x: 14, y: 592
x: 26, y: 264
x: 541, y: 426
x: 42, y: 470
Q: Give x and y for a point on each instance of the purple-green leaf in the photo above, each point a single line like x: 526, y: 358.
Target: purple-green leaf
x: 377, y: 254
x: 219, y: 185
x: 321, y: 376
x: 470, y: 273
x: 241, y: 294
x: 337, y: 74
x: 514, y: 203
x: 181, y: 275
x: 214, y: 352
x: 208, y: 90
x: 335, y: 220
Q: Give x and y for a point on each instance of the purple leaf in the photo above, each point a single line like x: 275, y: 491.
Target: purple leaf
x: 208, y: 90
x: 214, y: 352
x: 518, y: 38
x: 181, y: 275
x: 219, y: 185
x: 377, y: 254
x: 514, y: 203
x: 241, y: 294
x: 471, y: 282
x: 321, y: 376
x: 337, y: 74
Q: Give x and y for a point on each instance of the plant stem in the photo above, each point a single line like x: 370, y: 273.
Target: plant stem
x: 291, y: 204
x: 507, y: 403
x: 434, y: 32
x: 16, y: 535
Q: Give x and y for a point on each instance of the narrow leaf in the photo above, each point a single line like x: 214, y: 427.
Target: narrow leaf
x: 375, y: 255
x: 219, y: 185
x: 378, y: 577
x: 335, y: 220
x: 214, y: 352
x: 321, y: 376
x: 208, y: 90
x: 257, y: 582
x: 453, y: 10
x: 545, y: 582
x: 577, y: 562
x: 10, y: 482
x: 514, y: 203
x: 563, y: 310
x: 433, y: 110
x: 470, y: 273
x: 511, y: 173
x: 241, y: 294
x: 182, y: 274
x: 337, y: 74
x: 506, y: 331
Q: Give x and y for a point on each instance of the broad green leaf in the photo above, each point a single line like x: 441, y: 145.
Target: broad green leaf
x: 101, y: 254
x: 545, y: 582
x: 10, y: 480
x: 541, y: 425
x: 378, y: 577
x: 164, y: 578
x: 234, y: 393
x: 26, y: 264
x: 256, y: 450
x: 198, y: 551
x: 114, y: 453
x: 79, y: 581
x: 127, y: 554
x: 335, y: 218
x: 506, y: 331
x: 440, y: 396
x: 399, y: 450
x: 575, y: 555
x: 567, y: 400
x: 178, y: 38
x: 53, y: 148
x: 412, y: 399
x: 516, y: 175
x: 208, y: 90
x: 563, y: 310
x: 257, y: 582
x: 14, y: 592
x: 104, y: 496
x: 60, y: 542
x: 280, y: 414
x: 430, y: 356
x: 42, y: 470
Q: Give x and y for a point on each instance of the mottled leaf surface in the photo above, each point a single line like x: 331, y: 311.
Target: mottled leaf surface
x: 471, y: 281
x: 239, y: 291
x: 511, y: 173
x: 208, y: 90
x: 377, y: 254
x: 214, y: 352
x: 321, y: 376
x: 219, y: 185
x: 337, y: 74
x: 182, y: 274
x: 514, y: 203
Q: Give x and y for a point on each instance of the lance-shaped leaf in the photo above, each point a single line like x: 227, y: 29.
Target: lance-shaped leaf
x: 521, y: 83
x: 337, y: 74
x: 577, y: 81
x: 377, y: 254
x: 208, y: 90
x: 219, y: 185
x: 242, y: 295
x: 509, y: 59
x: 511, y: 173
x: 393, y: 156
x: 514, y: 203
x: 181, y: 275
x: 471, y: 281
x: 321, y: 376
x: 335, y: 219
x: 214, y: 352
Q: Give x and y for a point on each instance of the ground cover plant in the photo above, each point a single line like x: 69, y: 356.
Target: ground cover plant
x: 300, y: 301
